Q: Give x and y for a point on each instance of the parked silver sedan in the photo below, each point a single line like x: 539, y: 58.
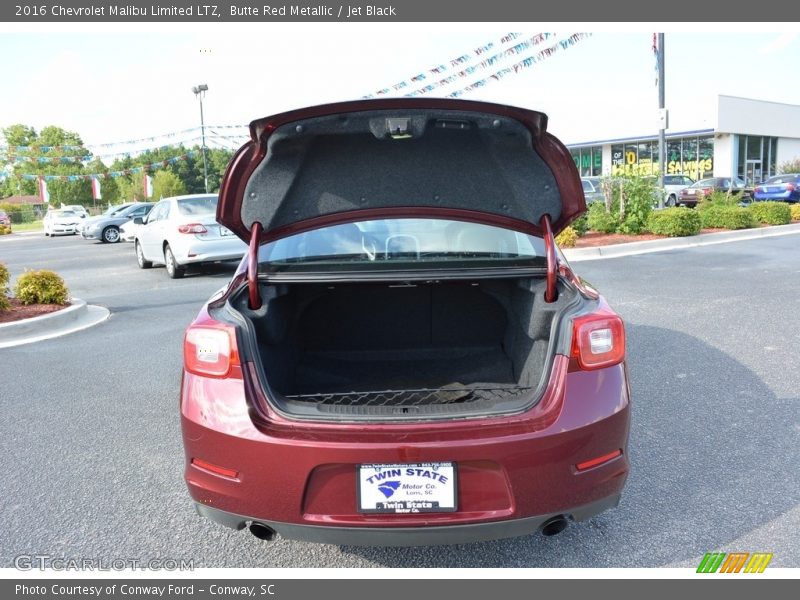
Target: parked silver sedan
x: 183, y: 230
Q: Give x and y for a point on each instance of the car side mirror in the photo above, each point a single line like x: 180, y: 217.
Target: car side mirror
x: 139, y: 220
x: 83, y: 216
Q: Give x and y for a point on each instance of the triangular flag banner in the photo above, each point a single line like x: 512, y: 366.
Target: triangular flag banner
x: 96, y: 193
x: 43, y: 193
x: 148, y: 186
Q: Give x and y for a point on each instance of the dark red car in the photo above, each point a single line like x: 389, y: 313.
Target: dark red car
x: 404, y: 357
x: 699, y: 190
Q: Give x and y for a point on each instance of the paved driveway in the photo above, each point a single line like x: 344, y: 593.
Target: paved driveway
x: 92, y: 459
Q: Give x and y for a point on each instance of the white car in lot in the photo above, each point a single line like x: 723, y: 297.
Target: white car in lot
x: 674, y: 184
x: 128, y: 230
x: 182, y: 231
x: 61, y: 222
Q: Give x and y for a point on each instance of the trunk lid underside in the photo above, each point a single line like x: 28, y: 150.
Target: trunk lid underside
x: 453, y: 159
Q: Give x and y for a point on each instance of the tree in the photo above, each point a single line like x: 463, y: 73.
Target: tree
x: 167, y: 184
x: 45, y: 155
x: 790, y: 166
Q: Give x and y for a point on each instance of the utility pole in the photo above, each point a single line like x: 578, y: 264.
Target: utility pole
x: 662, y: 134
x: 200, y: 91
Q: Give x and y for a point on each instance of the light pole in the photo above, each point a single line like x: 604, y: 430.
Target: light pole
x: 662, y: 138
x: 200, y: 91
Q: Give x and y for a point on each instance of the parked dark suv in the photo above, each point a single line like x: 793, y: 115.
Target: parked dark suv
x: 403, y: 356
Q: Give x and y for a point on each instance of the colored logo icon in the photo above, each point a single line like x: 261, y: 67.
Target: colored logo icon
x: 735, y: 562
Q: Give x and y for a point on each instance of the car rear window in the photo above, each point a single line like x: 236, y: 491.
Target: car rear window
x: 783, y: 179
x: 402, y: 243
x: 202, y: 205
x: 704, y: 183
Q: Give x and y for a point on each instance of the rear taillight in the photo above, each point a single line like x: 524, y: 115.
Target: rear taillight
x: 790, y: 187
x: 759, y: 189
x: 707, y: 191
x: 192, y: 228
x: 210, y: 350
x: 598, y: 340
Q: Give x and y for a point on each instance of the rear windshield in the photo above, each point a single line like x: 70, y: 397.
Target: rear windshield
x: 201, y: 205
x: 400, y: 244
x: 64, y: 213
x: 704, y: 183
x: 783, y: 179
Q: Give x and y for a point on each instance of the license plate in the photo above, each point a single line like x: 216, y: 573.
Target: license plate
x: 407, y: 488
x: 224, y: 231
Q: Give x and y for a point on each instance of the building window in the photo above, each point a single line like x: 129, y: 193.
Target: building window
x: 674, y: 157
x: 588, y: 160
x: 617, y: 159
x: 757, y: 158
x: 705, y: 160
x: 690, y: 156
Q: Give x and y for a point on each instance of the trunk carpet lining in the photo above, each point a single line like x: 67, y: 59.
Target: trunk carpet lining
x: 334, y: 372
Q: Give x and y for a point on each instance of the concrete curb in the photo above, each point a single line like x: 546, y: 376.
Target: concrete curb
x: 703, y: 239
x: 73, y: 318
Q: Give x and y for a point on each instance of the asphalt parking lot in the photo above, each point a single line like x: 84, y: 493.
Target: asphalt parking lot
x: 90, y: 436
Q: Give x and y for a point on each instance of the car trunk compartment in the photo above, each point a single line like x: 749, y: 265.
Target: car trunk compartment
x: 433, y: 347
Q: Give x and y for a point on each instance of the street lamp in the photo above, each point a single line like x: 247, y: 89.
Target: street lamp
x: 200, y: 91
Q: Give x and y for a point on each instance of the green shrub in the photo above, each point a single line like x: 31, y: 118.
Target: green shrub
x: 639, y: 195
x: 790, y: 166
x: 635, y: 193
x: 600, y: 220
x: 674, y: 222
x: 772, y: 213
x: 795, y: 210
x: 567, y: 238
x: 726, y: 217
x: 19, y: 213
x: 41, y: 287
x: 4, y: 277
x: 718, y: 198
x: 580, y: 225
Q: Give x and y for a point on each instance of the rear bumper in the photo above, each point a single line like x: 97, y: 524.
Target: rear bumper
x: 409, y: 536
x: 514, y: 473
x: 778, y: 197
x: 196, y: 251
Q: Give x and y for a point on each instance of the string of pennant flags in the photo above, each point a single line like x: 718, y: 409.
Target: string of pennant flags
x: 79, y: 148
x: 443, y: 67
x: 484, y: 64
x: 21, y: 158
x: 523, y: 64
x: 502, y: 51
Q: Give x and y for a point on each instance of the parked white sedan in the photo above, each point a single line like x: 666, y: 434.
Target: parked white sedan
x: 128, y: 231
x: 183, y: 230
x: 61, y: 222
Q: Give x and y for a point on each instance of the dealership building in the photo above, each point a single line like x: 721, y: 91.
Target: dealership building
x: 750, y: 140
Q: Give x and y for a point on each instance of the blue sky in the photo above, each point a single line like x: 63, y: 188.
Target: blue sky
x: 124, y: 83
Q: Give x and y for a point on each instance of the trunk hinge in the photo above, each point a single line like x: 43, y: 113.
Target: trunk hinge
x: 550, y: 293
x: 252, y: 266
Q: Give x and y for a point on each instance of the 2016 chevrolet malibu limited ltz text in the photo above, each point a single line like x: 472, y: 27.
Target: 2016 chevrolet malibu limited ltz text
x: 404, y: 357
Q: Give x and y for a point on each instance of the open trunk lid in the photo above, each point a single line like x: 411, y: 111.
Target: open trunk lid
x: 394, y: 158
